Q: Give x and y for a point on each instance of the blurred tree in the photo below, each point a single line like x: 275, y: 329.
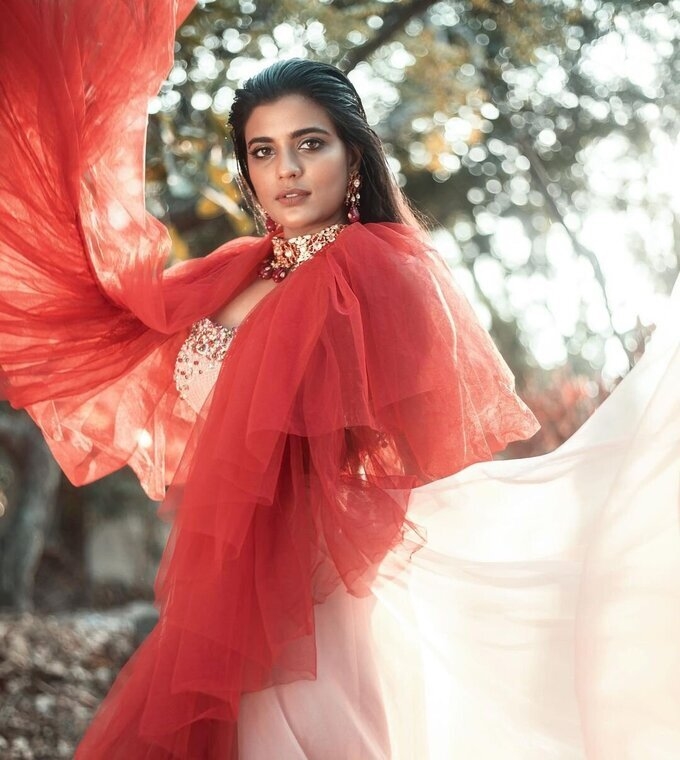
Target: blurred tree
x: 29, y: 479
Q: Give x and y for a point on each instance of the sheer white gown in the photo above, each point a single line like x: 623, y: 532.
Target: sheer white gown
x: 540, y: 621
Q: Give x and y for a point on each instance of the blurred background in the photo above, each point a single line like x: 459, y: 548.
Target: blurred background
x: 539, y: 138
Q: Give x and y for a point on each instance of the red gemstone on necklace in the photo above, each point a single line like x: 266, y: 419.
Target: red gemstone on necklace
x: 266, y: 270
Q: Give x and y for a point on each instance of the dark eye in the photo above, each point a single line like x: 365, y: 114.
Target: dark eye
x: 311, y: 143
x: 263, y: 151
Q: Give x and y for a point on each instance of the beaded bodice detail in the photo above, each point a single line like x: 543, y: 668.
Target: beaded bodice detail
x: 199, y: 360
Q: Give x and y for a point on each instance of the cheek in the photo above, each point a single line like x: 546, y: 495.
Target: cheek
x: 335, y: 176
x: 257, y: 180
x: 341, y: 184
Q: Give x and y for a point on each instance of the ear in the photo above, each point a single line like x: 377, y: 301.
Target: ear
x: 353, y: 159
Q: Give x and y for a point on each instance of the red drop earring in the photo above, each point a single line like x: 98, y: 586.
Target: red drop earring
x: 269, y: 224
x: 353, y: 196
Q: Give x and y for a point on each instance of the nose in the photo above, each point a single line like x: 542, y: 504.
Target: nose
x: 288, y: 166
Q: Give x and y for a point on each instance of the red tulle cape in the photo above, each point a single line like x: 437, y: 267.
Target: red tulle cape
x: 361, y: 376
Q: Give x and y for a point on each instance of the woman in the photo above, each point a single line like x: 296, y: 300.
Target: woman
x: 294, y: 389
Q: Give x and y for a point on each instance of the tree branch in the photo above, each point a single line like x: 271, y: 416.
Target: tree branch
x: 393, y: 22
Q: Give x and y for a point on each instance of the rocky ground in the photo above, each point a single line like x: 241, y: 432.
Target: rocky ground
x: 54, y: 671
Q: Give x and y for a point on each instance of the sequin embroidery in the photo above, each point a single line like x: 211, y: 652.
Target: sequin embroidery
x: 199, y: 360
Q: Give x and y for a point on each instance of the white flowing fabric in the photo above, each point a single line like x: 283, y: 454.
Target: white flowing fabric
x: 541, y: 621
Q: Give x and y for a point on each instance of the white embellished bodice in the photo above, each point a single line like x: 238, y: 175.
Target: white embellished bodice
x: 200, y: 359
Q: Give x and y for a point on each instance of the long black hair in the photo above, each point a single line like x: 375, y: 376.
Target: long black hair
x: 381, y: 198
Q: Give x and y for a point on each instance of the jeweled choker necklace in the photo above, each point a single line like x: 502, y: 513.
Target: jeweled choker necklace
x: 288, y: 254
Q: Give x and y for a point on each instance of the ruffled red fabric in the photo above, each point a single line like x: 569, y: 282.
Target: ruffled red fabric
x: 361, y: 376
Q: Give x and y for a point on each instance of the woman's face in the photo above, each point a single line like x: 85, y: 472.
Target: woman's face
x: 298, y: 165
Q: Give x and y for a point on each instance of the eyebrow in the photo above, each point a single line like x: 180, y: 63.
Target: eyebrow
x: 292, y: 135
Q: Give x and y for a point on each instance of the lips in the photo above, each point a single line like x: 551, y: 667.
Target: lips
x: 292, y: 196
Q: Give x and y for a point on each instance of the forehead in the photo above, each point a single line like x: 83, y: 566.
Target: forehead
x: 285, y: 115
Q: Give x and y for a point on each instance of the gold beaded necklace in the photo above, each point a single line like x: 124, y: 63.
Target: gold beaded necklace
x: 288, y: 254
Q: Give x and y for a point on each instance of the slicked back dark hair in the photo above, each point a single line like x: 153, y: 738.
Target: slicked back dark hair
x: 381, y: 198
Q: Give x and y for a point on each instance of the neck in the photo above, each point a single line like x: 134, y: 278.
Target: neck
x: 288, y: 254
x: 304, y: 246
x: 292, y: 234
